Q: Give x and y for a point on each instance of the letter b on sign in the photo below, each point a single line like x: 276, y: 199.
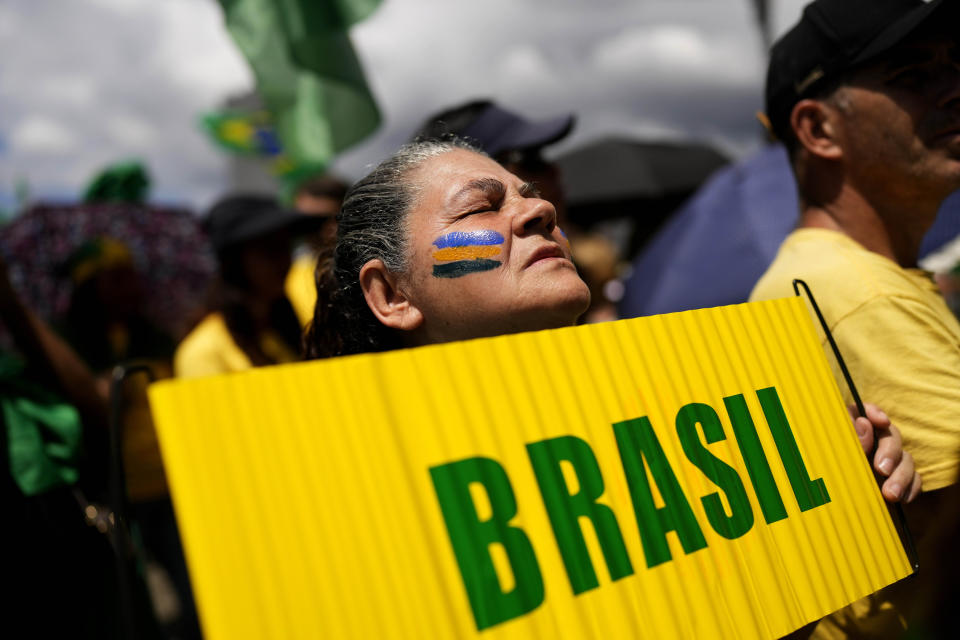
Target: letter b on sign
x: 472, y: 537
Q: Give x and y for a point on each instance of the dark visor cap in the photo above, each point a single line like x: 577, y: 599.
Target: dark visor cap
x: 832, y: 37
x: 498, y: 130
x: 494, y: 129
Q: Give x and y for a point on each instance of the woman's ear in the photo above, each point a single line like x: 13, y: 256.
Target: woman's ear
x: 815, y: 124
x: 385, y: 298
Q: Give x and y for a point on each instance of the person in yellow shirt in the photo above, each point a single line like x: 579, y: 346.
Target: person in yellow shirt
x: 865, y: 96
x: 252, y: 322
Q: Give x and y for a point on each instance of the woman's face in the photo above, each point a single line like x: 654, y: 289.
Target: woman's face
x: 486, y: 255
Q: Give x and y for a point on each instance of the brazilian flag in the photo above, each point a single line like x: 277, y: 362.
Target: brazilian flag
x: 253, y: 133
x: 244, y: 132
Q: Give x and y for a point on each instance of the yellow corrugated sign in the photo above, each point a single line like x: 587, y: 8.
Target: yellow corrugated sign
x: 693, y: 475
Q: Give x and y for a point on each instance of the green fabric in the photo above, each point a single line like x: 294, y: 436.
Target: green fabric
x: 121, y: 182
x: 307, y: 72
x: 43, y: 433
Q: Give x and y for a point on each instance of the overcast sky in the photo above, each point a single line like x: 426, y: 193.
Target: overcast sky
x: 87, y: 82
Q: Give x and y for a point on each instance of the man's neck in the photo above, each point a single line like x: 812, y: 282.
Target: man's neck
x: 890, y: 228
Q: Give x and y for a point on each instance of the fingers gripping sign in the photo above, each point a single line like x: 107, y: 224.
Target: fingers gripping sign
x: 881, y: 440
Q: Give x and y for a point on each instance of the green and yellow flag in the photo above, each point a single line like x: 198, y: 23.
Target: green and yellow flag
x: 693, y: 475
x: 306, y: 72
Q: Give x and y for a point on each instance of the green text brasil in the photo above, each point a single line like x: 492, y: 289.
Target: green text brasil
x: 643, y: 461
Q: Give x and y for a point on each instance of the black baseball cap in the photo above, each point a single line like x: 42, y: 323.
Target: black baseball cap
x: 493, y: 128
x: 236, y: 219
x: 833, y: 36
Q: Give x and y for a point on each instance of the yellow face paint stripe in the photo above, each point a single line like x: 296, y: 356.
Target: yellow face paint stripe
x: 466, y: 253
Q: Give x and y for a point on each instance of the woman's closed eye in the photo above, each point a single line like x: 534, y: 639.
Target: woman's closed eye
x: 530, y: 190
x: 485, y: 207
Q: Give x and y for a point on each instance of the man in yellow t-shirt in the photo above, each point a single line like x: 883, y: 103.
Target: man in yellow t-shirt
x: 865, y: 95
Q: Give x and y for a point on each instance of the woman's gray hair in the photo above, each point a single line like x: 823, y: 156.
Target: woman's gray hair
x: 371, y: 225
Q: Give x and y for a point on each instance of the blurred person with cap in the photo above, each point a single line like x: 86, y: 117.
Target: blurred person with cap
x: 865, y: 94
x: 319, y: 196
x: 252, y: 322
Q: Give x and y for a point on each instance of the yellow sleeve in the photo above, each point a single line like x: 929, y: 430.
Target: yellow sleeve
x: 301, y: 289
x: 208, y: 350
x: 904, y: 357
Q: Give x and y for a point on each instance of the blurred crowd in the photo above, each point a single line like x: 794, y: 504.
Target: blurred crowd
x: 102, y: 296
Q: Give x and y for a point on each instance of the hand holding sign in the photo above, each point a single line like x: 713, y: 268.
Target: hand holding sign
x: 902, y: 482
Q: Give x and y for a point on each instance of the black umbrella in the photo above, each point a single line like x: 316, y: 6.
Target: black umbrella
x: 619, y: 169
x: 642, y: 181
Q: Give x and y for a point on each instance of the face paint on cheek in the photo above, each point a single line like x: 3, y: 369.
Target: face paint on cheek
x: 464, y: 252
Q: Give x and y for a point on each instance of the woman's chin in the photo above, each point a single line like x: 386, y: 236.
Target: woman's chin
x: 561, y: 309
x: 575, y: 299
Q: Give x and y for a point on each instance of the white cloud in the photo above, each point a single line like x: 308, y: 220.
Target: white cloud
x: 125, y: 6
x: 194, y: 51
x: 131, y: 131
x: 670, y: 45
x: 77, y: 90
x: 9, y: 22
x: 526, y: 62
x: 42, y: 135
x: 680, y: 52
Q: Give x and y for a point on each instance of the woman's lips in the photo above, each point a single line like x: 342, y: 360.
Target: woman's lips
x: 546, y: 252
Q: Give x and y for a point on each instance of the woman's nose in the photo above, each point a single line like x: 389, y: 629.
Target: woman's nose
x: 536, y: 214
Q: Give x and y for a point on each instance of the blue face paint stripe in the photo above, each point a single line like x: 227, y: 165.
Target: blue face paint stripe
x: 468, y: 238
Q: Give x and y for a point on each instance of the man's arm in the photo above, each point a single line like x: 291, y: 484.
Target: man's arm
x: 905, y: 357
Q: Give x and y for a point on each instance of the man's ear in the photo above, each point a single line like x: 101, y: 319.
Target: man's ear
x: 386, y: 299
x: 815, y: 125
